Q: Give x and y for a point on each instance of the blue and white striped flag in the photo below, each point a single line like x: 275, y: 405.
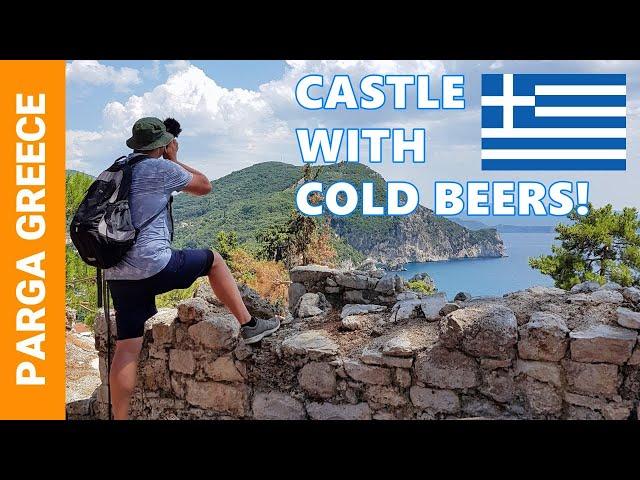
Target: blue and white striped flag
x: 554, y: 121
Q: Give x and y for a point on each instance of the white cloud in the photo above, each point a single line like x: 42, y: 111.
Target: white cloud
x: 177, y: 65
x: 92, y: 72
x: 152, y: 72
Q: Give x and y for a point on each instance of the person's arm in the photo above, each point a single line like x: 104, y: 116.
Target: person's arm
x: 199, y: 184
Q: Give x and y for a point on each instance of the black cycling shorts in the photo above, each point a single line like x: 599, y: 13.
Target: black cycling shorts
x: 135, y: 300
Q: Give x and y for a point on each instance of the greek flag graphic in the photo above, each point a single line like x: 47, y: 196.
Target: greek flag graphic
x: 554, y: 121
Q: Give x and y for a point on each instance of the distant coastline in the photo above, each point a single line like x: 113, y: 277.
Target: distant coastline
x: 503, y: 228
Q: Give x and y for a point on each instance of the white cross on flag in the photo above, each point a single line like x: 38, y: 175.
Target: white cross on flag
x: 554, y: 121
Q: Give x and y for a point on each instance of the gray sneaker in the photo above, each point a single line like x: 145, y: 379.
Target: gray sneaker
x: 262, y: 329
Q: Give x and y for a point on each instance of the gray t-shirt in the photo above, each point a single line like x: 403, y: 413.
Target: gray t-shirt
x: 152, y: 183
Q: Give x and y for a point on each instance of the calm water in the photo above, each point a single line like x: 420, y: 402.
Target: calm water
x: 491, y: 276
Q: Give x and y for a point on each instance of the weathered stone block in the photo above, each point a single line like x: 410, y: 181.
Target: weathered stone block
x: 616, y: 410
x: 193, y: 310
x: 223, y: 369
x: 356, y: 322
x: 596, y: 298
x: 407, y: 296
x: 493, y: 363
x: 542, y: 398
x: 402, y: 377
x: 386, y: 284
x: 318, y: 380
x: 444, y: 368
x: 399, y: 346
x: 606, y: 296
x: 602, y: 343
x: 217, y: 332
x: 311, y: 273
x: 632, y: 295
x: 478, y: 406
x: 372, y: 356
x: 447, y: 308
x: 358, y: 309
x: 481, y: 331
x: 431, y: 306
x: 592, y: 378
x: 585, y: 287
x: 242, y: 350
x: 404, y: 310
x: 364, y: 373
x: 355, y: 296
x: 330, y: 411
x: 498, y: 385
x: 544, y: 337
x: 439, y: 401
x: 182, y: 361
x: 163, y: 334
x: 380, y: 396
x: 296, y: 291
x: 155, y: 375
x: 628, y: 318
x: 547, y: 372
x: 314, y: 343
x: 177, y: 386
x: 581, y: 413
x: 219, y: 397
x: 350, y: 280
x: 635, y: 356
x: 584, y: 400
x: 277, y: 406
x: 310, y: 305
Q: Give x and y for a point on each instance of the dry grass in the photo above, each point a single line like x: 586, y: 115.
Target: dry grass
x: 320, y: 250
x: 270, y: 279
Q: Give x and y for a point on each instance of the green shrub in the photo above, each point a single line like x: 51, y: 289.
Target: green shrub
x: 420, y: 286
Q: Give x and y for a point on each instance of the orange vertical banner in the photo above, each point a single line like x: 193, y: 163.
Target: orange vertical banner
x: 32, y: 255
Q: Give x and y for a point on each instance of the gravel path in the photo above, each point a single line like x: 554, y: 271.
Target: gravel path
x: 83, y: 376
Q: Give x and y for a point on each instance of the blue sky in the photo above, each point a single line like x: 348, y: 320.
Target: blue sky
x: 238, y: 113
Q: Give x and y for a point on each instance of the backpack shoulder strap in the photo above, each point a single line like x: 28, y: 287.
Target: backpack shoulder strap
x: 126, y: 169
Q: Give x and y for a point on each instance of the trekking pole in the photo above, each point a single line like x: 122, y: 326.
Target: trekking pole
x: 99, y: 286
x: 103, y: 301
x: 107, y: 312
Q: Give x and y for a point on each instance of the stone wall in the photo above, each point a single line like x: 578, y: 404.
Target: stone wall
x: 339, y: 287
x: 541, y: 353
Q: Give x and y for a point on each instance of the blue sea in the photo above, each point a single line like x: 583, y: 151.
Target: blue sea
x: 491, y: 276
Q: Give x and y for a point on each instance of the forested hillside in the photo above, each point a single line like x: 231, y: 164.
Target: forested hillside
x: 255, y: 198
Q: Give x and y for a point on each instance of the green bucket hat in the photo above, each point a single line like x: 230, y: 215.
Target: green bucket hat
x: 148, y: 133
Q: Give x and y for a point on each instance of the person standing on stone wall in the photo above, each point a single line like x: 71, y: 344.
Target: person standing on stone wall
x: 152, y: 267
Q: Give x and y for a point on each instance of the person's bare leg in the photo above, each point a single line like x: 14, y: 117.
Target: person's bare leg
x: 224, y: 286
x: 123, y: 375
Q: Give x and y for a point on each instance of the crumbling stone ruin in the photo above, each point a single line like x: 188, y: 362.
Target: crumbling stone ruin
x: 357, y: 346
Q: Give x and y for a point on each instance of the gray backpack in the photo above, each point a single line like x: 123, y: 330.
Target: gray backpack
x: 101, y: 229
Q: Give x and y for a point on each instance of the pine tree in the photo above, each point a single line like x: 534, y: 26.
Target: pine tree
x: 602, y: 246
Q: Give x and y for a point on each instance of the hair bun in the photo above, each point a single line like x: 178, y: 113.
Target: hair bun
x: 172, y: 126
